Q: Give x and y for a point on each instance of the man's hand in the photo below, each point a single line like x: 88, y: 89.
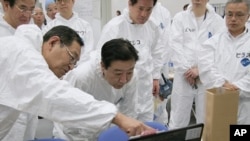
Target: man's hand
x: 191, y: 75
x: 230, y: 86
x: 156, y: 87
x: 131, y: 126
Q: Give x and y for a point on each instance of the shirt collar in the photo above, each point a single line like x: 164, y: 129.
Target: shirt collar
x: 240, y: 35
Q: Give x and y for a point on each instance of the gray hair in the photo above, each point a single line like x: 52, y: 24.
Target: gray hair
x: 247, y: 2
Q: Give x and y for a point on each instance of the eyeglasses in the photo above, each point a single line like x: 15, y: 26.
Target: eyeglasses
x: 25, y: 10
x: 60, y: 1
x: 235, y: 15
x: 73, y: 60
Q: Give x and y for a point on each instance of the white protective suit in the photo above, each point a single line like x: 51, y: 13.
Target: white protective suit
x: 144, y: 37
x: 162, y: 16
x: 28, y: 85
x: 82, y: 27
x: 88, y: 77
x: 5, y: 28
x: 224, y: 57
x: 23, y: 127
x: 186, y: 37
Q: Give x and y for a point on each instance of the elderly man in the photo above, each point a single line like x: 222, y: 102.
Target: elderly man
x: 32, y: 84
x: 224, y: 59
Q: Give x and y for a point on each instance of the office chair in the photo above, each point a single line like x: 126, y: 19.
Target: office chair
x: 115, y: 133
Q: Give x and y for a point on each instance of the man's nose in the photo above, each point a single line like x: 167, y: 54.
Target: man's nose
x: 123, y: 78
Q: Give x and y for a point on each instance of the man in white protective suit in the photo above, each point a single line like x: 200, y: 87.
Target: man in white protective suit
x: 31, y: 83
x: 134, y: 25
x: 17, y: 12
x: 108, y: 75
x: 66, y: 16
x: 189, y: 29
x: 224, y: 59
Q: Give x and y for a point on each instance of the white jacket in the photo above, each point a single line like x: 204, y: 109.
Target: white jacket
x: 88, y: 77
x: 22, y: 128
x: 28, y: 85
x: 224, y: 57
x: 146, y: 38
x: 82, y: 27
x: 186, y: 36
x: 162, y: 15
x: 5, y: 28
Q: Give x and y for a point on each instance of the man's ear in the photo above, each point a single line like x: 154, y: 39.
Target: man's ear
x: 129, y: 3
x: 52, y: 41
x: 102, y: 65
x: 5, y: 5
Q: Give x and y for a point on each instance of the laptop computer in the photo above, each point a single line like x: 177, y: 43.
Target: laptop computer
x: 189, y: 133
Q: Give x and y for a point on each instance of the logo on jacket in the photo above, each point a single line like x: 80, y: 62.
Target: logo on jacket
x: 162, y: 25
x: 245, y: 62
x: 210, y: 34
x: 82, y: 33
x: 189, y: 30
x: 135, y: 42
x: 242, y: 55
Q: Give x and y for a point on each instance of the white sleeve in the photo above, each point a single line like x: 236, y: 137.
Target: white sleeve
x: 244, y: 83
x: 158, y: 52
x: 33, y: 88
x: 176, y: 44
x: 209, y: 74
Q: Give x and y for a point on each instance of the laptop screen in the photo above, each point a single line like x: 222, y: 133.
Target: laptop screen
x: 190, y: 133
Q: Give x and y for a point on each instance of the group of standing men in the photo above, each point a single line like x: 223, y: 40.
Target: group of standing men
x: 122, y: 72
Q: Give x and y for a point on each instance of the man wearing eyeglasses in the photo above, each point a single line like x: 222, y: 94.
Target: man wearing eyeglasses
x: 66, y: 16
x: 224, y: 60
x: 30, y: 83
x: 16, y: 12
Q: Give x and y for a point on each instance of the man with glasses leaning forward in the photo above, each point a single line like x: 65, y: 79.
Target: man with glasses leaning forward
x: 30, y: 83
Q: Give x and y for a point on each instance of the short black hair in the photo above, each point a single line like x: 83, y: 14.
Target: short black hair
x: 133, y: 2
x: 118, y: 49
x: 12, y: 2
x: 185, y: 6
x: 118, y: 12
x: 65, y: 33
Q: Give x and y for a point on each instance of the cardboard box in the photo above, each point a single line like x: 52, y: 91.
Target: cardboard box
x: 221, y: 111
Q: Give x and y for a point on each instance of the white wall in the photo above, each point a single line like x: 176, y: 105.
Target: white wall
x: 171, y: 5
